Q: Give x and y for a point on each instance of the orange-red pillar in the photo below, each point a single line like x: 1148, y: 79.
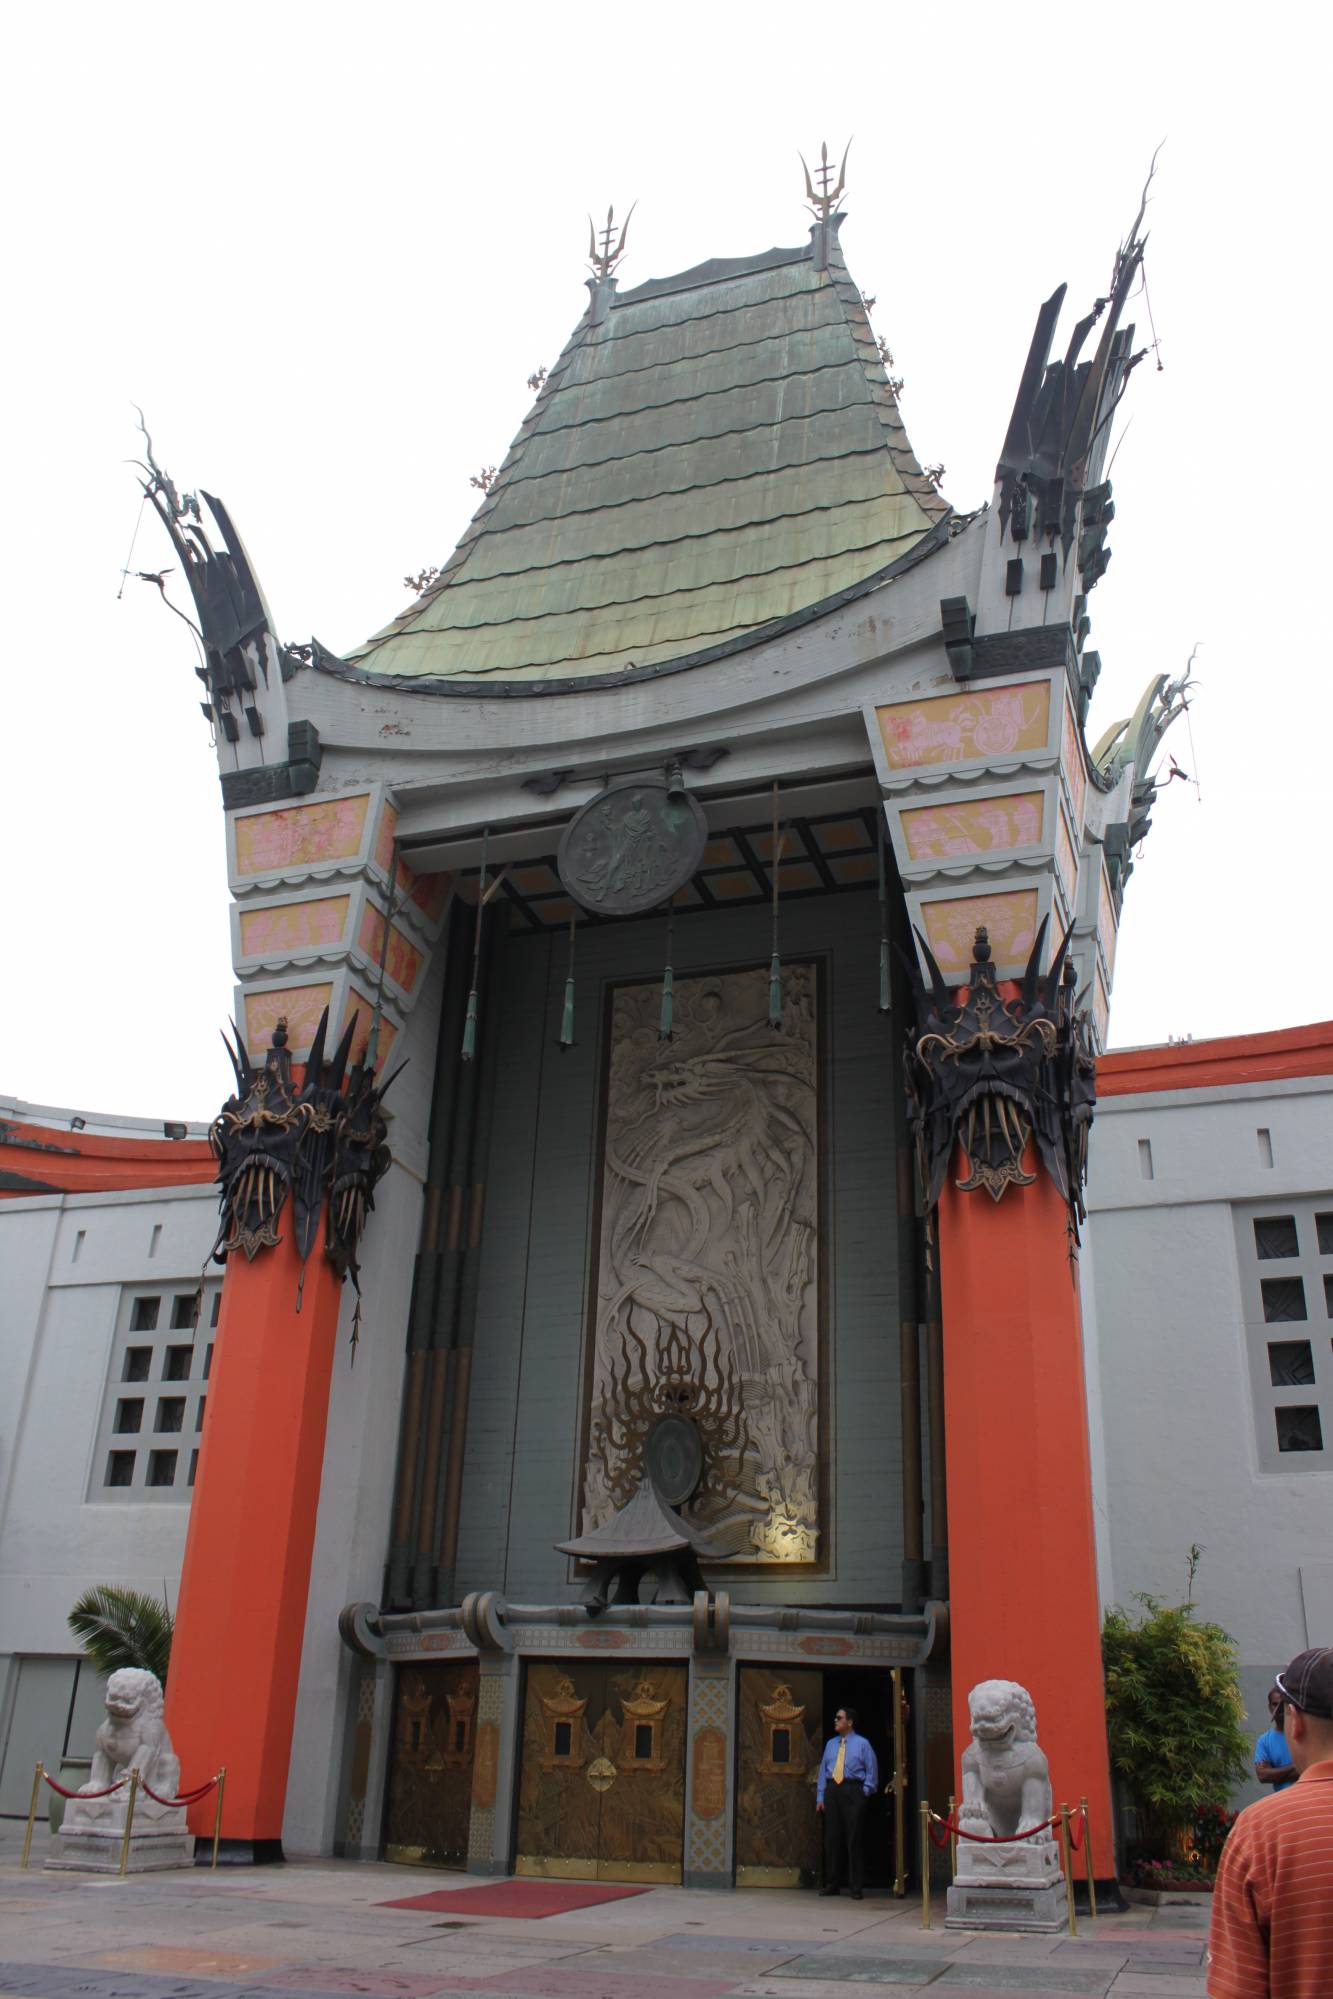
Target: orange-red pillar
x: 1022, y: 1557
x: 231, y: 1694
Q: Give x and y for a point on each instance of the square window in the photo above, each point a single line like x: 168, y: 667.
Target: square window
x: 643, y: 1741
x: 563, y: 1743
x: 1299, y: 1429
x: 184, y: 1311
x: 1328, y: 1296
x: 176, y: 1363
x: 194, y: 1466
x: 162, y: 1467
x: 1323, y: 1228
x: 199, y: 1413
x: 779, y: 1746
x: 143, y: 1315
x: 138, y: 1360
x: 208, y: 1361
x: 1284, y: 1299
x: 1275, y: 1235
x: 119, y: 1468
x: 217, y: 1309
x: 1290, y: 1364
x: 170, y: 1412
x: 129, y: 1416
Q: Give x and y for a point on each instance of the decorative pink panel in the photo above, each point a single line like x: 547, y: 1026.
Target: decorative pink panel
x: 301, y: 835
x: 300, y: 1006
x: 1066, y: 858
x: 404, y: 960
x: 364, y: 1009
x: 294, y: 926
x: 973, y: 826
x: 988, y: 722
x: 384, y: 838
x: 1071, y: 756
x: 1010, y: 917
x: 1106, y: 923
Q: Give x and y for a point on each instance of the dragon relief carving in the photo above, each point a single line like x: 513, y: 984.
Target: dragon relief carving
x: 707, y: 1302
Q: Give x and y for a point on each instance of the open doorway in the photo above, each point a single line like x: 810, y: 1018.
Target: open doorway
x: 869, y: 1695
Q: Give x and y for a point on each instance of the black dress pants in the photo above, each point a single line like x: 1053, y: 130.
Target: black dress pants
x: 844, y: 1835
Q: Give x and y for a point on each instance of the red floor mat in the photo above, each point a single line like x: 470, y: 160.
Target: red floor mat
x: 515, y: 1898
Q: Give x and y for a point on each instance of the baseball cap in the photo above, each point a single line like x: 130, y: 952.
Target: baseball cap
x: 1308, y: 1682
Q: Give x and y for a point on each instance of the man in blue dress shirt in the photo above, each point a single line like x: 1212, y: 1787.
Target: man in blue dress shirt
x: 848, y: 1779
x: 1272, y: 1758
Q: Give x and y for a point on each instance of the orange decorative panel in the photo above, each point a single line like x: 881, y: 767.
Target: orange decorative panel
x: 430, y: 893
x: 709, y: 1756
x: 294, y: 926
x: 301, y: 835
x: 1065, y: 856
x: 384, y: 838
x: 301, y: 1007
x: 404, y: 961
x: 1010, y: 917
x: 973, y: 826
x: 989, y: 722
x: 364, y: 1009
x: 1071, y: 756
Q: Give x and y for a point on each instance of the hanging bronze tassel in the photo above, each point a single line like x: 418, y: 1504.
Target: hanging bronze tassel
x: 469, y: 1048
x: 885, y: 997
x: 775, y: 965
x: 668, y: 981
x: 567, y: 1018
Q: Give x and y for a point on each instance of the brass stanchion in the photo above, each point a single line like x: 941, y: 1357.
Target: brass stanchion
x: 1087, y: 1848
x: 1067, y: 1862
x: 953, y: 1838
x: 37, y: 1776
x: 129, y: 1822
x: 899, y: 1786
x: 925, y: 1865
x: 217, y: 1816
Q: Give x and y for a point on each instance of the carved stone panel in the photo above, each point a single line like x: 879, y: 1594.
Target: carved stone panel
x: 707, y: 1303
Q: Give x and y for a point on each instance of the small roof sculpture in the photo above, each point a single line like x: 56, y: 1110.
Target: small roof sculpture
x: 644, y: 1554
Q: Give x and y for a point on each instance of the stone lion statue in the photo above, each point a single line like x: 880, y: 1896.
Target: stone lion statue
x: 133, y: 1737
x: 1006, y: 1782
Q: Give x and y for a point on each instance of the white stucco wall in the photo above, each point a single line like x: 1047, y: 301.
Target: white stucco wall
x: 1171, y: 1379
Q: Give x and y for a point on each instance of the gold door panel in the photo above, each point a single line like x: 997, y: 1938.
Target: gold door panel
x: 602, y: 1785
x: 777, y: 1828
x: 430, y: 1783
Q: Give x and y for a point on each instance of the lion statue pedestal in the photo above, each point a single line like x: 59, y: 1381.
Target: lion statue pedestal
x: 1006, y: 1788
x: 133, y: 1737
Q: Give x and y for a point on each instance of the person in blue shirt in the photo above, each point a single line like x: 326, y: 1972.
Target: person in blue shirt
x: 848, y: 1779
x: 1272, y: 1758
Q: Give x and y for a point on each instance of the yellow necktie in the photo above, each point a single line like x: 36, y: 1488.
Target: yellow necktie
x: 840, y: 1760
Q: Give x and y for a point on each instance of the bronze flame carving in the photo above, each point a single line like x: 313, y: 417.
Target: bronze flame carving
x: 683, y: 1375
x: 991, y: 1074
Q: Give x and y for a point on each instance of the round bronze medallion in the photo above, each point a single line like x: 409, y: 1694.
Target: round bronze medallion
x: 673, y: 1453
x: 632, y: 848
x: 601, y: 1773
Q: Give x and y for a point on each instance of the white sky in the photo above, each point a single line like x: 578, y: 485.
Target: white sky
x: 324, y: 247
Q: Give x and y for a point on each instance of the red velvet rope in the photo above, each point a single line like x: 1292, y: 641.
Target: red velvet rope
x: 990, y: 1838
x: 85, y: 1794
x: 1076, y: 1845
x: 187, y: 1798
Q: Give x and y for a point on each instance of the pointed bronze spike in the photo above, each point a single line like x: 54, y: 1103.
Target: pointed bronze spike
x: 338, y: 1066
x: 1033, y: 969
x: 315, y: 1060
x: 938, y: 982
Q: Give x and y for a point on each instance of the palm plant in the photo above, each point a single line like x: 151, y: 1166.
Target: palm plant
x: 123, y: 1627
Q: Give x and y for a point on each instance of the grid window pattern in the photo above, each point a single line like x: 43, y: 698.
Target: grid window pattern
x: 1285, y: 1253
x: 155, y: 1394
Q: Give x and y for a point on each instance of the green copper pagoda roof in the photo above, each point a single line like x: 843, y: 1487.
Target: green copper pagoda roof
x: 713, y: 453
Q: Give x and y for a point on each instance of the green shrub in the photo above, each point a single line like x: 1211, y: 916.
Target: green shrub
x: 1174, y: 1713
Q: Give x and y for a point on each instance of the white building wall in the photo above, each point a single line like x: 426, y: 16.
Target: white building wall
x: 1180, y: 1417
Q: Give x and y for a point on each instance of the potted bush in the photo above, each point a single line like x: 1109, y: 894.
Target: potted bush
x: 116, y: 1627
x: 1174, y: 1714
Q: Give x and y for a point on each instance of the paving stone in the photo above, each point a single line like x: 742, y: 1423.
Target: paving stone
x: 187, y: 1958
x: 1025, y: 1978
x: 882, y: 1969
x: 378, y: 1984
x: 1145, y: 1983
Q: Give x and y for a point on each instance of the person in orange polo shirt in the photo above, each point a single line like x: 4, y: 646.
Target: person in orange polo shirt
x: 1272, y: 1928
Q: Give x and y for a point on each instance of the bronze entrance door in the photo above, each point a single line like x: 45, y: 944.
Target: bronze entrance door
x: 602, y: 1787
x: 777, y: 1830
x: 430, y: 1780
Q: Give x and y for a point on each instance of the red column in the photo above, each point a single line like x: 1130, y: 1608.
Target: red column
x: 1022, y: 1560
x: 231, y: 1694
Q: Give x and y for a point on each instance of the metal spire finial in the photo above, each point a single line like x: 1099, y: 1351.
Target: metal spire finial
x: 604, y: 261
x: 825, y: 202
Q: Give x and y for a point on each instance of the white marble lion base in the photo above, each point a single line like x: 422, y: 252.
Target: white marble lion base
x: 161, y: 1838
x: 1019, y: 1887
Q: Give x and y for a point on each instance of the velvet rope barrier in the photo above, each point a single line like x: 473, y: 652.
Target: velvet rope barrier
x: 62, y: 1792
x: 186, y: 1797
x: 952, y: 1828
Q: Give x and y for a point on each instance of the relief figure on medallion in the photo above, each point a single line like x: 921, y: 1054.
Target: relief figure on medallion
x: 708, y: 1261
